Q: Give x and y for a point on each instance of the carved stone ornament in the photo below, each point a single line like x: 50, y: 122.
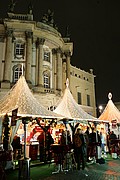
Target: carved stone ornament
x: 9, y: 32
x: 29, y: 34
x: 42, y: 41
x: 67, y: 53
x: 59, y: 50
x: 1, y: 39
x: 54, y: 51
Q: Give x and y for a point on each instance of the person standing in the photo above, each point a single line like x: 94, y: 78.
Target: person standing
x: 41, y: 140
x: 87, y: 143
x: 79, y: 148
x: 103, y: 142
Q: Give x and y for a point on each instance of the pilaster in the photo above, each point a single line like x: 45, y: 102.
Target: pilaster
x: 29, y: 36
x: 40, y: 61
x: 8, y: 59
x: 68, y: 55
x: 59, y: 69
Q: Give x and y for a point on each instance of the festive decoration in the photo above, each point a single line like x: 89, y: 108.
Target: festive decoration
x: 110, y: 112
x: 69, y: 108
x: 21, y: 97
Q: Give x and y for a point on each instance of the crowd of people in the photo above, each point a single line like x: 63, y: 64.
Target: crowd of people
x: 86, y: 146
x: 90, y: 145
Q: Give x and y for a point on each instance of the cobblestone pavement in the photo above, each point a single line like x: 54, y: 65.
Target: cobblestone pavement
x: 108, y: 171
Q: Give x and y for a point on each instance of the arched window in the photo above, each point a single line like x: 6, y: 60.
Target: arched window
x: 17, y: 73
x: 46, y: 80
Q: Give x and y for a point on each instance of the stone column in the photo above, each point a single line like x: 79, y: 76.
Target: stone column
x: 59, y: 69
x: 68, y: 55
x: 40, y: 62
x: 53, y: 68
x: 29, y: 36
x: 2, y: 52
x: 36, y: 71
x: 8, y: 56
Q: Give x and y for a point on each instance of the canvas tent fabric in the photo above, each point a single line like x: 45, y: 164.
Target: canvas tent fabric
x: 21, y: 97
x: 69, y: 108
x: 110, y: 112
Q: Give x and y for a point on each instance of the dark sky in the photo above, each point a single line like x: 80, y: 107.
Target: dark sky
x: 94, y: 26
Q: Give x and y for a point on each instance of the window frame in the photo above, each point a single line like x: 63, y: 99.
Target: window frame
x: 46, y: 56
x: 17, y: 72
x: 46, y: 78
x: 19, y: 50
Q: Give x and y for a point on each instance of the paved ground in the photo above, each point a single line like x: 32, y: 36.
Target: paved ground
x: 108, y: 171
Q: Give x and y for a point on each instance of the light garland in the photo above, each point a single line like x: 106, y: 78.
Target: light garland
x: 110, y: 112
x: 69, y: 108
x: 21, y: 97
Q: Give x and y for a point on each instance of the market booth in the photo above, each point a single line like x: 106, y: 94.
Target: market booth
x: 73, y: 112
x: 75, y: 116
x: 111, y: 115
x: 20, y: 104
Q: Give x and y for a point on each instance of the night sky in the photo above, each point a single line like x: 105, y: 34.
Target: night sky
x: 94, y: 27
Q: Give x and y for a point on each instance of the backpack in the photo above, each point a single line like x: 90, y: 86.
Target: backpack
x: 77, y: 140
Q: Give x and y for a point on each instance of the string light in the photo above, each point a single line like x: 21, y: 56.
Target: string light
x: 69, y: 108
x: 21, y: 97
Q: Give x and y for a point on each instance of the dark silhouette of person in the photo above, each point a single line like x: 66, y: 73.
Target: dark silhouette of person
x: 16, y: 146
x: 79, y: 151
x: 49, y: 141
x: 41, y: 140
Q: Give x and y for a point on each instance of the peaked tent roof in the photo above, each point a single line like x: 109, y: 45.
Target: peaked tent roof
x: 110, y: 112
x: 70, y: 109
x: 21, y: 97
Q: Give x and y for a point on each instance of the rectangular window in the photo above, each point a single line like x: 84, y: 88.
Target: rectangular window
x: 19, y: 49
x: 88, y: 100
x: 46, y: 81
x: 47, y: 56
x: 79, y: 98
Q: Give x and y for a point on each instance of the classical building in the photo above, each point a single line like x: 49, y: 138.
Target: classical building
x: 39, y: 52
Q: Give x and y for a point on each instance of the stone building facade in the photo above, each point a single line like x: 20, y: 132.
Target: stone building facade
x: 39, y: 52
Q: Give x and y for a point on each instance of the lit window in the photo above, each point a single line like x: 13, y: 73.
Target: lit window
x: 46, y: 81
x: 47, y: 56
x: 17, y: 73
x: 19, y: 50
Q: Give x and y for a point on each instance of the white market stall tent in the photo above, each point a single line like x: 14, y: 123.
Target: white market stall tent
x: 111, y: 114
x: 20, y: 97
x: 74, y: 114
x: 70, y: 109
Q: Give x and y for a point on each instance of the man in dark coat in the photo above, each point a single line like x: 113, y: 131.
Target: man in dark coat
x: 79, y: 148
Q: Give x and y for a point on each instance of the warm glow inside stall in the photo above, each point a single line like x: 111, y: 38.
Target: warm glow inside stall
x: 20, y: 98
x: 111, y: 115
x: 74, y: 114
